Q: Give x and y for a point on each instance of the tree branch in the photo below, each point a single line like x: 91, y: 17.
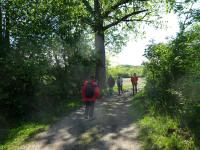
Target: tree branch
x: 115, y: 6
x: 139, y: 19
x: 88, y: 7
x: 86, y: 20
x: 132, y: 20
x: 125, y: 18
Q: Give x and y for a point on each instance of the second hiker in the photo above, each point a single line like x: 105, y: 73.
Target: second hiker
x: 111, y: 84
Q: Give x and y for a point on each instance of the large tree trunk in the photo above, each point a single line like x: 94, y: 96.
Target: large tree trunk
x: 100, y: 64
x: 99, y: 46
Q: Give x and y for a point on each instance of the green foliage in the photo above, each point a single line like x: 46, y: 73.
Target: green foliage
x: 139, y: 106
x: 22, y: 132
x: 44, y: 58
x: 125, y: 70
x: 18, y: 135
x: 172, y: 74
x: 159, y: 131
x: 46, y: 53
x: 169, y: 63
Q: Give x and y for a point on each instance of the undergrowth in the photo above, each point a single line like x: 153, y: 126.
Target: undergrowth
x: 160, y: 131
x: 22, y: 132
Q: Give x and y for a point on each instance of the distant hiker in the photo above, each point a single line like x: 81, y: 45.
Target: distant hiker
x: 111, y: 84
x: 134, y: 81
x: 120, y: 84
x: 90, y: 92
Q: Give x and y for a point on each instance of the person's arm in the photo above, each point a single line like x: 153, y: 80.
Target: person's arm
x: 97, y: 92
x: 83, y: 91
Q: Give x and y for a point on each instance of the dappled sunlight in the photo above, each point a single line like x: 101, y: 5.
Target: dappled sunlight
x: 136, y: 58
x: 123, y: 139
x: 112, y: 129
x: 115, y: 127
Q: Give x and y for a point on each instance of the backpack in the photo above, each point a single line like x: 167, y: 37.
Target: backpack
x: 89, y: 90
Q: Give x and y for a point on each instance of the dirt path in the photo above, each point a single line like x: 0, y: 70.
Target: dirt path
x: 114, y: 128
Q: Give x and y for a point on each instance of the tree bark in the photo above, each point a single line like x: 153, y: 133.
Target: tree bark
x: 100, y: 64
x: 99, y: 46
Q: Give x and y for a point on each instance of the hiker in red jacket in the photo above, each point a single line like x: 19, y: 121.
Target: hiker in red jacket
x: 134, y: 80
x: 90, y: 92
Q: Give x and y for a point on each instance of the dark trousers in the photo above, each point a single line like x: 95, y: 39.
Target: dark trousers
x: 134, y: 88
x: 120, y: 89
x: 89, y: 109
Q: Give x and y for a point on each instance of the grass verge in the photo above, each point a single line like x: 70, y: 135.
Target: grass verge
x: 24, y: 131
x: 160, y: 132
x: 18, y: 135
x: 163, y: 133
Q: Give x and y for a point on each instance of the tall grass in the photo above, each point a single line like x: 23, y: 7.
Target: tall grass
x: 160, y: 131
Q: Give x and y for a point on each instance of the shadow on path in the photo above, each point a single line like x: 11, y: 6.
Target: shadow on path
x: 114, y: 128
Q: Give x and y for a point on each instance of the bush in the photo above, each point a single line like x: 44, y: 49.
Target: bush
x: 173, y: 82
